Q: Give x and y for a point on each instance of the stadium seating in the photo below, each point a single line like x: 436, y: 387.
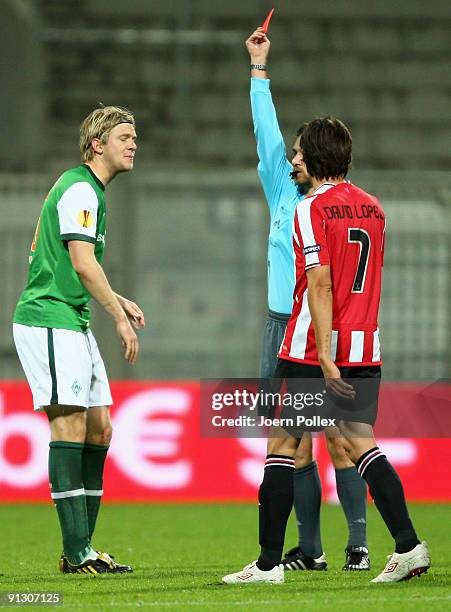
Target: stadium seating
x: 194, y: 206
x: 183, y: 63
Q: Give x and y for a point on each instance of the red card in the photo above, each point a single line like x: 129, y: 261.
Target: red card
x: 265, y: 25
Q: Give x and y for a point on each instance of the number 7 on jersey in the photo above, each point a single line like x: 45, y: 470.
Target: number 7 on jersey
x: 363, y: 239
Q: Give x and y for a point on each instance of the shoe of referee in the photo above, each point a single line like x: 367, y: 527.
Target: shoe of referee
x: 357, y: 559
x: 104, y: 564
x: 295, y: 559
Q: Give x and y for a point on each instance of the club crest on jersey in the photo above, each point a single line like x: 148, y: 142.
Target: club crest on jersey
x: 85, y: 218
x: 315, y: 248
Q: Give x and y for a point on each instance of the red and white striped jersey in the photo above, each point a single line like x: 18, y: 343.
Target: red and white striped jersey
x: 343, y: 227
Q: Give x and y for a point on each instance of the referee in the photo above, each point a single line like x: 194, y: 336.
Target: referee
x: 283, y: 189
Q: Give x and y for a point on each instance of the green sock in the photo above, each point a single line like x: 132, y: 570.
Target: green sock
x: 352, y: 493
x: 93, y: 462
x: 69, y: 497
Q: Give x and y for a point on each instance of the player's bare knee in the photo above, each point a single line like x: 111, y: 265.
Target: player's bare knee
x: 304, y: 453
x: 354, y: 454
x: 358, y: 438
x: 335, y: 449
x: 99, y: 428
x: 100, y: 437
x: 106, y: 435
x: 302, y: 460
x: 67, y: 423
x: 282, y: 446
x: 339, y: 452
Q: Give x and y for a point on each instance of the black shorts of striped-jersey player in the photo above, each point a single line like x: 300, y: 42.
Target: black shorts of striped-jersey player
x: 297, y: 400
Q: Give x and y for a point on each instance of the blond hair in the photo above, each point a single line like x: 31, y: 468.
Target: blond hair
x: 99, y: 124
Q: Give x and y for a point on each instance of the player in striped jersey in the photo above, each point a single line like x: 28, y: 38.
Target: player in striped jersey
x: 332, y: 334
x: 283, y: 189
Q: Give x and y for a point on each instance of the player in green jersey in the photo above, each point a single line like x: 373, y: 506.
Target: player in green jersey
x: 57, y: 350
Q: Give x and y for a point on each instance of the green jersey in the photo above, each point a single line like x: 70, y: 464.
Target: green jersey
x: 54, y: 296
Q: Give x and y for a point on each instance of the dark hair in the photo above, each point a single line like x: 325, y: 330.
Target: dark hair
x: 326, y: 145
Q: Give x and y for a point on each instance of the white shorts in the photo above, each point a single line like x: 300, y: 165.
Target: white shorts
x: 62, y: 367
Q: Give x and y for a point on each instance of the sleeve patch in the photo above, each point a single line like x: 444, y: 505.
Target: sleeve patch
x: 85, y: 218
x: 77, y: 210
x: 315, y: 248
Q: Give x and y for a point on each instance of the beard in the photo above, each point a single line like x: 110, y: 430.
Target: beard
x: 302, y: 188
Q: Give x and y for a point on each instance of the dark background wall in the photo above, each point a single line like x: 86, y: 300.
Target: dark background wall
x: 22, y: 99
x: 187, y: 230
x: 383, y: 67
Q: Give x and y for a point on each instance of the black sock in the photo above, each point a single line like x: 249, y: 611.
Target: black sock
x: 388, y: 494
x: 275, y: 502
x: 307, y: 505
x: 352, y: 492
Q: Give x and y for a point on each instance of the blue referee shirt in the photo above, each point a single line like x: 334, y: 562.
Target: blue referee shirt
x: 281, y: 195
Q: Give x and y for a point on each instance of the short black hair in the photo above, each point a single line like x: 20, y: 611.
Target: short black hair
x: 326, y: 145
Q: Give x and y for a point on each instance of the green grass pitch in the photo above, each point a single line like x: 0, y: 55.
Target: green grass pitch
x: 180, y: 553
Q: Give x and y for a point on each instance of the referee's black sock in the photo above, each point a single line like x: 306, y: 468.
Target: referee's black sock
x: 275, y: 499
x: 388, y: 494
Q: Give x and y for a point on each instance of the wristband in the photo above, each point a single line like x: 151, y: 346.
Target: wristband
x: 258, y: 66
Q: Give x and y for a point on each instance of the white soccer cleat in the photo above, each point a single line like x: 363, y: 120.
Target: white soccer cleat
x: 403, y: 566
x: 252, y: 574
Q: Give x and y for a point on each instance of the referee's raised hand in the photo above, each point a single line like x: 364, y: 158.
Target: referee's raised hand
x: 258, y: 45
